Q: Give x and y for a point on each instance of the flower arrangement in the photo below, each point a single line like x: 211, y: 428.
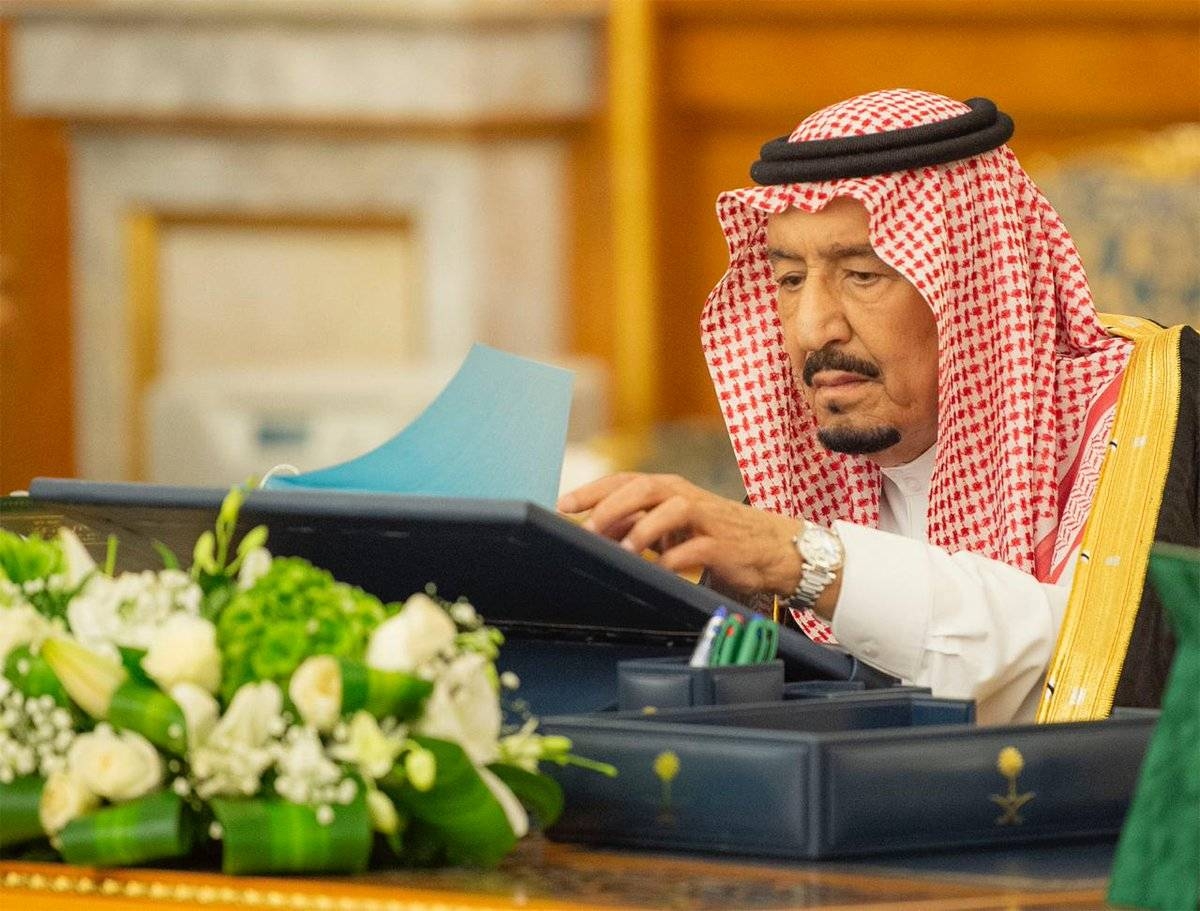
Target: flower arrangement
x: 256, y: 708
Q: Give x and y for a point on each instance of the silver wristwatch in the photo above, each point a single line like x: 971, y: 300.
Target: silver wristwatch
x: 821, y: 551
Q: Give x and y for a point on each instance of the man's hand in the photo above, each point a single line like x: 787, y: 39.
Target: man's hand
x: 747, y: 549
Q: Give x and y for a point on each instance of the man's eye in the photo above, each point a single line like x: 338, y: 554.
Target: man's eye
x: 864, y: 278
x: 791, y: 281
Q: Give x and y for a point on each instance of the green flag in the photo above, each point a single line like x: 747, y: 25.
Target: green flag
x: 1158, y: 856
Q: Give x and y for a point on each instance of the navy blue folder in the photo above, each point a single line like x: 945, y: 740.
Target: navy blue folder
x: 571, y: 604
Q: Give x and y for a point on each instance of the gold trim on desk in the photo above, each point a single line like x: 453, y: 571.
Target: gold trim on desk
x: 144, y: 231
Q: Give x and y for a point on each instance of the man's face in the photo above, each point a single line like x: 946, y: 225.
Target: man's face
x: 862, y: 340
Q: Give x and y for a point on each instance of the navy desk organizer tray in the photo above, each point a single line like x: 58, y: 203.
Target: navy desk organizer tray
x: 570, y: 603
x: 842, y: 777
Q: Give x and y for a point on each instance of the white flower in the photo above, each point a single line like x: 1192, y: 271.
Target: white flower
x: 464, y: 707
x: 306, y: 774
x: 130, y: 609
x: 382, y: 811
x: 184, y: 650
x: 64, y: 797
x: 200, y: 711
x: 21, y: 625
x: 316, y: 691
x: 242, y: 745
x: 79, y: 562
x: 116, y: 766
x: 518, y: 819
x: 256, y: 709
x: 422, y: 630
x: 255, y: 565
x: 370, y: 748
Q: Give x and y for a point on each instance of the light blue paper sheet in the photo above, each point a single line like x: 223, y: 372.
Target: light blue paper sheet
x: 498, y: 430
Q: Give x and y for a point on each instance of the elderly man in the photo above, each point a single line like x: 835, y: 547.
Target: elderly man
x: 920, y: 395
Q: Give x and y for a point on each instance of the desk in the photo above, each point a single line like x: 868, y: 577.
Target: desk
x: 544, y: 876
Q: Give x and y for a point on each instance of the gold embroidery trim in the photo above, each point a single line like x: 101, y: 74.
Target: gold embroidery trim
x: 1107, y: 590
x: 150, y: 891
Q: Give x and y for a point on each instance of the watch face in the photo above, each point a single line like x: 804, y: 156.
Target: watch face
x: 820, y: 548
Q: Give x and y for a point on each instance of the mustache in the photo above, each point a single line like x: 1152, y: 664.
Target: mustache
x: 833, y: 359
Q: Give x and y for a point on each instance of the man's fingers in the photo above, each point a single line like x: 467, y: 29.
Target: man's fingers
x: 672, y: 515
x: 590, y: 494
x: 640, y: 494
x: 694, y: 553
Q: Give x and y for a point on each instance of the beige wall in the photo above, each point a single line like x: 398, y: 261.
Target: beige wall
x: 726, y: 77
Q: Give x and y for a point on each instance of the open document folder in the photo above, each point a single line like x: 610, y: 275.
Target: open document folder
x: 498, y: 430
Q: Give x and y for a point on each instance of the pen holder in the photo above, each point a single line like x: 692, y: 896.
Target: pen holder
x: 654, y: 683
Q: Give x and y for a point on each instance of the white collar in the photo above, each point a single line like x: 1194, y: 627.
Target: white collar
x: 913, y: 478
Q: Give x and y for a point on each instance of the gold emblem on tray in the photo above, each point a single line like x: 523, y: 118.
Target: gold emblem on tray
x: 666, y: 767
x: 1010, y: 763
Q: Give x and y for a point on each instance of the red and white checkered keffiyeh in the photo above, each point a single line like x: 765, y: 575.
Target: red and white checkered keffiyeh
x: 1027, y: 376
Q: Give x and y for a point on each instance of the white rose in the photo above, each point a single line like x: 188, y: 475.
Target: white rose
x: 256, y: 709
x: 184, y: 650
x: 406, y: 641
x: 316, y: 691
x: 518, y: 819
x: 21, y: 625
x: 464, y: 707
x: 64, y: 797
x: 116, y: 766
x: 200, y: 711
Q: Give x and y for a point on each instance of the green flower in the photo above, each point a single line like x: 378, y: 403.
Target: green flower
x: 294, y: 611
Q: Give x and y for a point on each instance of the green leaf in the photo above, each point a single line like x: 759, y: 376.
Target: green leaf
x: 382, y: 693
x: 38, y: 678
x: 459, y: 811
x: 275, y: 836
x: 170, y: 561
x: 19, y: 820
x: 154, y: 827
x: 150, y: 712
x: 540, y: 794
x: 131, y: 660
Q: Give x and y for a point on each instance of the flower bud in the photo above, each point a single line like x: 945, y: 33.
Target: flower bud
x: 420, y: 767
x: 384, y: 818
x: 316, y: 691
x: 89, y: 679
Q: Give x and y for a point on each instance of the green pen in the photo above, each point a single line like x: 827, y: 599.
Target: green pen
x: 771, y: 640
x: 751, y: 647
x: 726, y: 649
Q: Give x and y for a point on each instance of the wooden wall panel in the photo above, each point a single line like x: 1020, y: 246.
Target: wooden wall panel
x: 36, y: 415
x: 733, y: 75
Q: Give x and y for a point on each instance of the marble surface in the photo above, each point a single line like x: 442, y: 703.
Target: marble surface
x: 488, y: 240
x: 281, y: 69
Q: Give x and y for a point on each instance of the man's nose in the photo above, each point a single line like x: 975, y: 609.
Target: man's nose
x: 820, y: 318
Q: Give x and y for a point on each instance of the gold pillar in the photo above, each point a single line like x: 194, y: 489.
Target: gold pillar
x: 630, y: 68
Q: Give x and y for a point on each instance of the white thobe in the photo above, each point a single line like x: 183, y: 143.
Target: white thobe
x: 966, y: 626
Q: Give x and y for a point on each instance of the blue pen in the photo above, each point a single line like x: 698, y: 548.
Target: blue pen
x: 709, y: 635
